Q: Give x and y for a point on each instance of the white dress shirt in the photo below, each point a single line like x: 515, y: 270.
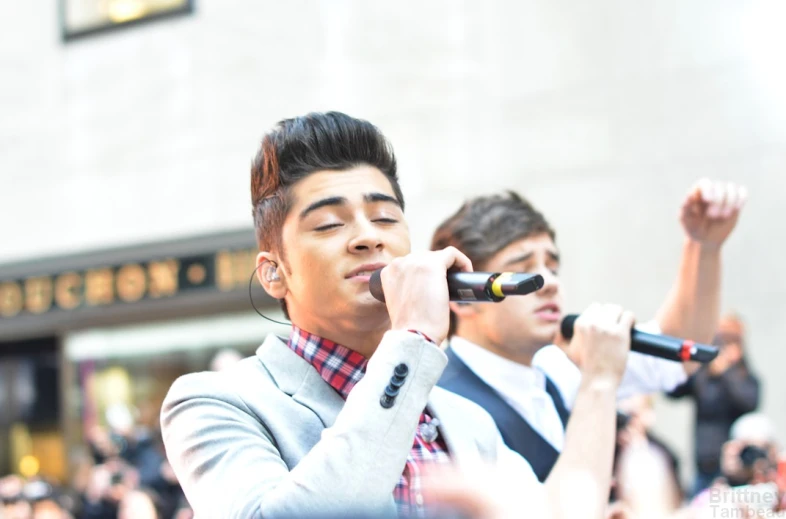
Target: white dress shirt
x: 524, y: 387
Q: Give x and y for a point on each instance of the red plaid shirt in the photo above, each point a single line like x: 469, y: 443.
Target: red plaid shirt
x: 342, y: 368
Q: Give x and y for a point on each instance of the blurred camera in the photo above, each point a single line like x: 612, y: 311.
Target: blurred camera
x: 750, y: 454
x: 116, y: 479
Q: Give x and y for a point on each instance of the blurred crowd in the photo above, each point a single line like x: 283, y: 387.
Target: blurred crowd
x: 124, y: 474
x: 121, y: 473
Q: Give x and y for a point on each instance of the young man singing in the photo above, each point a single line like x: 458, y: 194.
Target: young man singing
x: 343, y: 415
x: 501, y: 355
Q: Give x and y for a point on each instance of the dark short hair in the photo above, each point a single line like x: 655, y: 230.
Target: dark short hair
x: 295, y: 148
x: 485, y: 225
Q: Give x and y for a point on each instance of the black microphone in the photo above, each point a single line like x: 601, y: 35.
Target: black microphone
x: 662, y: 346
x: 476, y: 286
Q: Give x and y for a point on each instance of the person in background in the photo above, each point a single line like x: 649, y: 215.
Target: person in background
x: 503, y: 356
x: 723, y: 390
x: 750, y: 457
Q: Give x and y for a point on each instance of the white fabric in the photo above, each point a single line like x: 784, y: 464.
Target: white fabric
x: 643, y: 374
x: 522, y: 387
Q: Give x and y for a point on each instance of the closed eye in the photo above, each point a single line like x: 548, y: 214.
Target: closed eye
x: 386, y: 220
x: 327, y: 227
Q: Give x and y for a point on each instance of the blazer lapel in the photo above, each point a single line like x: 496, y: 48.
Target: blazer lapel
x: 296, y: 377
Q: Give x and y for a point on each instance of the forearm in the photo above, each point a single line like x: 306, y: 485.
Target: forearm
x: 692, y: 307
x: 583, y: 471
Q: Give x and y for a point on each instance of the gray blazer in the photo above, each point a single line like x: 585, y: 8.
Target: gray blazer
x: 270, y: 438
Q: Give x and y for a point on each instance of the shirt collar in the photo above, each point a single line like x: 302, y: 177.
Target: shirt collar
x: 497, y: 371
x: 339, y: 366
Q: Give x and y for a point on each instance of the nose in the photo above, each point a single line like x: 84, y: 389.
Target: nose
x: 367, y: 237
x: 551, y: 283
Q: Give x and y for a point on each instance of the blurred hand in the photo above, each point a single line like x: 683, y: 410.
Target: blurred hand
x: 601, y: 341
x: 710, y: 211
x: 416, y: 290
x: 728, y: 356
x: 100, y: 439
x: 645, y: 485
x: 471, y: 494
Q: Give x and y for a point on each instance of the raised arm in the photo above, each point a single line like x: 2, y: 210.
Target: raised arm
x: 708, y: 216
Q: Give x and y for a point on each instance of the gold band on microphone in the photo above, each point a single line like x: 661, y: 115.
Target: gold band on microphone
x: 496, y: 285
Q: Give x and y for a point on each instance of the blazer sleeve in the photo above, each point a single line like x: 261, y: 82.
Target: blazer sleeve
x: 229, y: 467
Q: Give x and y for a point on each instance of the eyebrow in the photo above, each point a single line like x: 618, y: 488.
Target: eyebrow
x: 524, y: 257
x: 340, y: 200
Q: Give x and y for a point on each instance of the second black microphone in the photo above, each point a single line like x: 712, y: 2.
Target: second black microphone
x: 662, y: 346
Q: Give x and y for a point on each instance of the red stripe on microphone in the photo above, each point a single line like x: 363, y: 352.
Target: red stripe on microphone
x: 687, y: 346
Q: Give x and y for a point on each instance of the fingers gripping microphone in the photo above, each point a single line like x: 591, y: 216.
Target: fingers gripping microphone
x: 662, y: 346
x: 476, y: 286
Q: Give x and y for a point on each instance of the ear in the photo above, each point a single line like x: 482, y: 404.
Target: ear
x: 267, y: 266
x: 463, y: 309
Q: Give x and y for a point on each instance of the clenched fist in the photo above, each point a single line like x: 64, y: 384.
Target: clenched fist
x: 711, y: 210
x: 416, y: 290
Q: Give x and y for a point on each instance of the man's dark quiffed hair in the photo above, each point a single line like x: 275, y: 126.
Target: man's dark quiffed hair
x: 485, y: 225
x: 298, y: 147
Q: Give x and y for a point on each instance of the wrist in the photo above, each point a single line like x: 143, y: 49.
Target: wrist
x: 600, y: 383
x: 418, y: 332
x: 703, y: 247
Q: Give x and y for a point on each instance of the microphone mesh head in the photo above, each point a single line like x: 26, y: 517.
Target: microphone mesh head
x: 375, y: 285
x: 566, y: 327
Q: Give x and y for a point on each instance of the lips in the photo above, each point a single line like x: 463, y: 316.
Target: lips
x: 549, y: 312
x: 365, y: 270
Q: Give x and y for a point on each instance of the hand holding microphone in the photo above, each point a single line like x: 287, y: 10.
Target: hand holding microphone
x: 602, y: 341
x: 416, y: 292
x: 662, y: 346
x: 417, y: 288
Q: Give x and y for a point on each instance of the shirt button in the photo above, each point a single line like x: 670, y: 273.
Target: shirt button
x: 419, y: 499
